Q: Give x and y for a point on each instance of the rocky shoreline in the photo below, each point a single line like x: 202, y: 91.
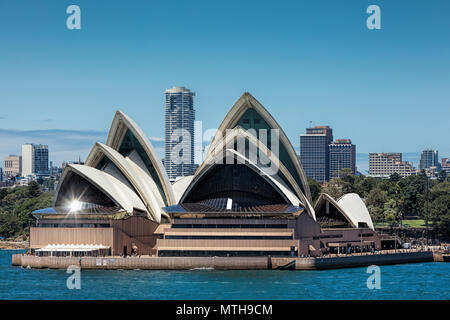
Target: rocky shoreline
x: 13, y: 245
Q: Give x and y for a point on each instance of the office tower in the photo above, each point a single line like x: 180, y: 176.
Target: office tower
x: 314, y: 152
x: 1, y: 175
x: 429, y: 158
x: 386, y: 164
x: 34, y: 159
x: 13, y: 166
x: 179, y: 132
x: 27, y: 159
x: 342, y: 156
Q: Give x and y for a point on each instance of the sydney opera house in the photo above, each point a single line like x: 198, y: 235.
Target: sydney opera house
x: 121, y: 202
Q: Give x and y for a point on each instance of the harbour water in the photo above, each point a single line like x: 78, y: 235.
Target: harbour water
x: 407, y: 281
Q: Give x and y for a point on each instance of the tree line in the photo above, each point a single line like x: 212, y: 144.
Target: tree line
x: 388, y: 200
x: 16, y: 205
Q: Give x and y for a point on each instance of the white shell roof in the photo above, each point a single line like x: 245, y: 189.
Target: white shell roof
x: 247, y: 101
x: 139, y: 178
x: 132, y: 167
x: 112, y: 187
x: 112, y: 139
x: 180, y: 186
x: 355, y: 209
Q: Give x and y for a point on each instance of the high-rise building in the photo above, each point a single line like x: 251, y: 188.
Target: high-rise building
x: 342, y: 156
x: 27, y: 159
x: 446, y: 165
x: 429, y: 158
x: 314, y: 152
x: 13, y: 166
x: 34, y: 159
x: 179, y: 132
x: 386, y: 164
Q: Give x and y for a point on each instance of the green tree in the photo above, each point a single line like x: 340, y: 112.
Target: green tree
x: 390, y: 219
x: 23, y: 209
x: 376, y: 198
x: 315, y: 189
x: 365, y: 185
x: 333, y: 189
x: 376, y: 213
x: 34, y: 189
x: 390, y: 210
x: 347, y: 181
x: 9, y: 224
x: 395, y: 177
x: 442, y: 176
x: 439, y: 208
x: 3, y: 193
x: 16, y: 207
x: 412, y: 194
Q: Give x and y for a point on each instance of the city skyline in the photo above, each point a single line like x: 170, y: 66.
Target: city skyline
x: 362, y: 159
x: 299, y: 65
x: 62, y: 149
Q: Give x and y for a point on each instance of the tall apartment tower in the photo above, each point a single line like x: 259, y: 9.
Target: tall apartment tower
x: 179, y: 132
x: 314, y: 152
x: 34, y: 159
x: 13, y: 166
x: 429, y: 158
x: 342, y: 156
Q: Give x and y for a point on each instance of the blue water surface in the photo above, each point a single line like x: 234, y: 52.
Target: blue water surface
x: 407, y: 281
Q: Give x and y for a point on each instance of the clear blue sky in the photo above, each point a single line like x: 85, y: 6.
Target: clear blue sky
x: 387, y: 90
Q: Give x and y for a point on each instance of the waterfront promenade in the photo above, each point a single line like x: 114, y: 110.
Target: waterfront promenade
x: 228, y: 263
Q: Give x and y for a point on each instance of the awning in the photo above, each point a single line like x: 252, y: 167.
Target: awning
x: 344, y: 244
x: 333, y: 244
x: 205, y: 248
x: 72, y: 247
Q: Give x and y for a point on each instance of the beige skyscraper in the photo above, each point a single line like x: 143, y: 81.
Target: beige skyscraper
x: 13, y: 166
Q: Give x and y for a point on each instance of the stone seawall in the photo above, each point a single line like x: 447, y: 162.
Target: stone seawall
x: 17, y: 259
x: 221, y: 263
x: 145, y: 263
x: 351, y: 261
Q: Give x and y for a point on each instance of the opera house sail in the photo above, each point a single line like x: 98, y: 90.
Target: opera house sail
x: 250, y: 197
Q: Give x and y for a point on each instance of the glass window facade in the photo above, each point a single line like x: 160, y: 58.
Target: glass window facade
x: 314, y: 153
x: 238, y: 182
x: 179, y: 114
x: 251, y: 119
